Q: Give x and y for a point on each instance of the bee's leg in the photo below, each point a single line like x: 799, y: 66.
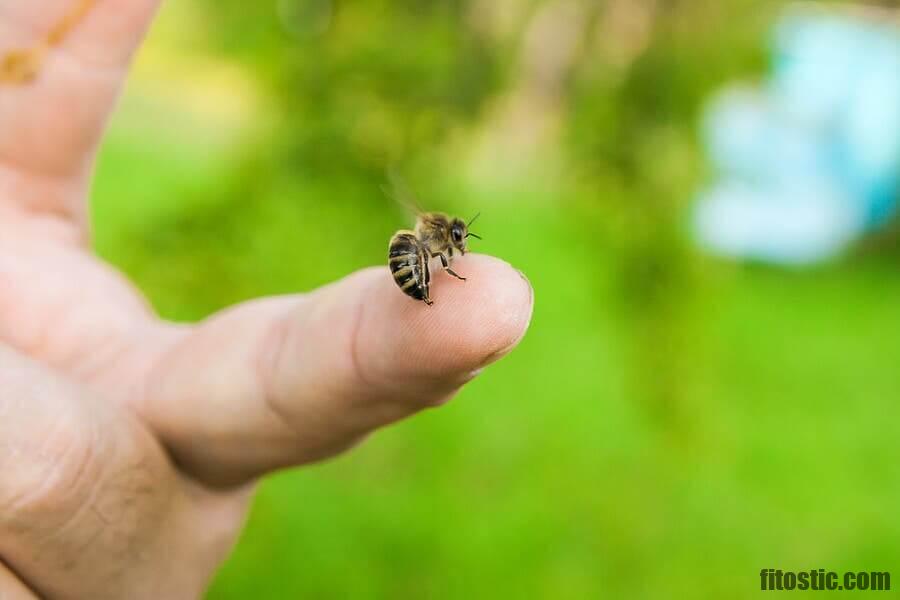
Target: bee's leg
x: 452, y: 272
x: 446, y: 264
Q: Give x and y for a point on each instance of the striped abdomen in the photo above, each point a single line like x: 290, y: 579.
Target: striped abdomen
x: 408, y: 261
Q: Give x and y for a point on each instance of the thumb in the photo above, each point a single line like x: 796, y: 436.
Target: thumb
x: 290, y: 380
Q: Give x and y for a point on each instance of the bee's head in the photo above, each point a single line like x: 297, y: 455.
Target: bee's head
x: 459, y: 232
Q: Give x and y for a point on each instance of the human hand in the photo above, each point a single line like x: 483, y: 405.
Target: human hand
x: 129, y: 445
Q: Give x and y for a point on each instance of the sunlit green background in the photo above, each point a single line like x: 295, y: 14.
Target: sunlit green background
x: 670, y: 425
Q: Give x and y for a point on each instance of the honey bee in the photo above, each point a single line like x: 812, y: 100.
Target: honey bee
x: 436, y: 235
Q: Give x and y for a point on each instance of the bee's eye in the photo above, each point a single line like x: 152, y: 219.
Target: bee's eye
x: 457, y: 234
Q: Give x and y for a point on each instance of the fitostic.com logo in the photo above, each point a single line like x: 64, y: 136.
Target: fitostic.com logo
x: 822, y: 579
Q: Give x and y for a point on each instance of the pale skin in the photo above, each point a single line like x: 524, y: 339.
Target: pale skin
x: 130, y: 446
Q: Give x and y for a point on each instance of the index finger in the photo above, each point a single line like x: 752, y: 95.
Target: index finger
x: 100, y: 33
x: 62, y: 64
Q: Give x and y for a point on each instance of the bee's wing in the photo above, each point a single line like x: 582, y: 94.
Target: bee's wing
x: 401, y: 193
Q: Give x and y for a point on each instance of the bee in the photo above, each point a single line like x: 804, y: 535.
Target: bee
x: 436, y: 235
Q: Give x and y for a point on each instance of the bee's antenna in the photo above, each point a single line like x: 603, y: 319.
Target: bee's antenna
x: 474, y: 235
x: 469, y: 224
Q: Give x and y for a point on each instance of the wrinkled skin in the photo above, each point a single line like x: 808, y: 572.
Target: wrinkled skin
x: 129, y: 446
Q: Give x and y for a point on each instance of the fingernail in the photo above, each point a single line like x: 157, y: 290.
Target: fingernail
x: 530, y: 288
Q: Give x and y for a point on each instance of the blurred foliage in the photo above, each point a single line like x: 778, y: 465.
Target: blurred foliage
x: 632, y: 131
x: 360, y: 85
x: 669, y: 426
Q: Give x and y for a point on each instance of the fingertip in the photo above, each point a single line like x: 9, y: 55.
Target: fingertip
x: 471, y: 324
x: 489, y: 314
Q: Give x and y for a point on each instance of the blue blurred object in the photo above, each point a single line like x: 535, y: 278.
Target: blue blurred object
x: 810, y: 162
